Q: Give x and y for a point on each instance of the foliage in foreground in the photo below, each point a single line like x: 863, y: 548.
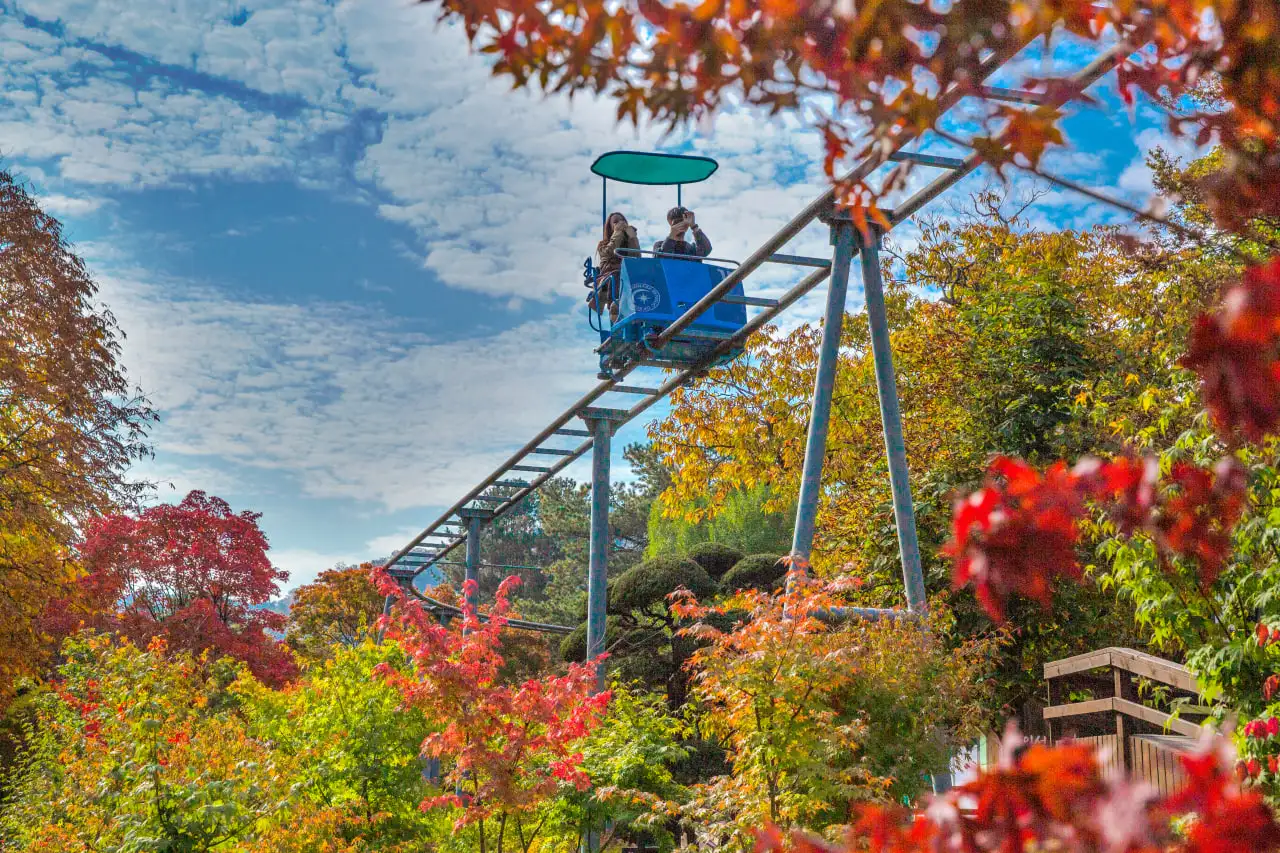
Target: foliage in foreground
x: 134, y: 752
x: 354, y: 744
x: 817, y: 713
x: 629, y: 758
x: 1188, y: 533
x: 1058, y: 798
x: 154, y: 750
x: 509, y: 747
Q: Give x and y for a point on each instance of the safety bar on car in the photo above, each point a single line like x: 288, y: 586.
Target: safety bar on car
x: 626, y: 253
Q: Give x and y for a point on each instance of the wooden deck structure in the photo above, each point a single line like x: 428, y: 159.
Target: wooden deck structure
x: 1136, y: 737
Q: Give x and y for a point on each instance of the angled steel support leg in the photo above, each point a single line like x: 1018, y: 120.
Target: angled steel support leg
x: 602, y: 423
x: 891, y: 417
x: 842, y: 234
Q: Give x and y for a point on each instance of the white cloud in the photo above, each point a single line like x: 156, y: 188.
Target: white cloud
x: 495, y: 183
x: 71, y: 105
x: 64, y: 205
x: 387, y: 544
x: 278, y: 47
x: 173, y: 481
x: 304, y: 565
x: 336, y: 395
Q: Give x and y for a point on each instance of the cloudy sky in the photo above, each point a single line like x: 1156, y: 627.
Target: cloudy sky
x: 347, y: 261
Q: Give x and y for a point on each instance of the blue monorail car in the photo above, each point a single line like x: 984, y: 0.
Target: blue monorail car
x: 654, y: 290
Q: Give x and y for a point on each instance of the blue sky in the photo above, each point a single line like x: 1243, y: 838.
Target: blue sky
x: 347, y: 261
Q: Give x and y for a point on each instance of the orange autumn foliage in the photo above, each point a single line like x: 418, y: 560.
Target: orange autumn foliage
x: 70, y: 423
x: 891, y: 68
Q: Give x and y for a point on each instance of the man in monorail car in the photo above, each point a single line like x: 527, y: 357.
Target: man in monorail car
x: 682, y: 223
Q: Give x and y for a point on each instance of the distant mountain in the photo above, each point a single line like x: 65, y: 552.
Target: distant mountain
x: 278, y: 605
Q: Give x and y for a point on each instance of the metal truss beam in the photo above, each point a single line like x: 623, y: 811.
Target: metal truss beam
x: 767, y: 252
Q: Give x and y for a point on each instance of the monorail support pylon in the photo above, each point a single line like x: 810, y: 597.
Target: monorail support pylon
x: 824, y: 381
x: 904, y: 513
x: 602, y: 423
x: 474, y: 518
x: 847, y: 239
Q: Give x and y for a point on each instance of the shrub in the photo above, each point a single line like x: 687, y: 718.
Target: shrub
x: 814, y: 716
x: 573, y: 647
x: 134, y: 745
x: 653, y: 580
x: 630, y: 758
x: 715, y: 557
x: 507, y: 749
x: 758, y: 571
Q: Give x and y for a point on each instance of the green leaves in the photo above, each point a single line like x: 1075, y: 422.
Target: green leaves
x: 815, y: 715
x: 129, y: 757
x: 355, y: 742
x: 629, y: 759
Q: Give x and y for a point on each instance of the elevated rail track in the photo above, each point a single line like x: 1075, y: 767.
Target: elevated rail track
x: 565, y: 440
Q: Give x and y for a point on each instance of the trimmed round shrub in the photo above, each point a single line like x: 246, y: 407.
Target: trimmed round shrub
x: 758, y: 571
x: 715, y: 558
x: 642, y: 660
x: 573, y: 647
x: 726, y: 622
x: 653, y: 580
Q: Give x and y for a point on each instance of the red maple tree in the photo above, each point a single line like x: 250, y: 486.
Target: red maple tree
x: 191, y: 573
x: 509, y: 746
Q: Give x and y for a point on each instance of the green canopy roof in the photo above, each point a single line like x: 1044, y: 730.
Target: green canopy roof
x: 639, y: 167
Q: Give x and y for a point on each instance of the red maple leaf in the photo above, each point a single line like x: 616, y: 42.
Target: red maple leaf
x: 1017, y: 534
x: 1234, y: 351
x: 1196, y: 521
x: 1229, y: 819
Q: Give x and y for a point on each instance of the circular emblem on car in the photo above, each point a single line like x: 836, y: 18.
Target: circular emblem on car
x: 646, y: 297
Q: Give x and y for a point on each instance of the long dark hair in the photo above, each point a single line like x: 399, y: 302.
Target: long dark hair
x: 608, y: 229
